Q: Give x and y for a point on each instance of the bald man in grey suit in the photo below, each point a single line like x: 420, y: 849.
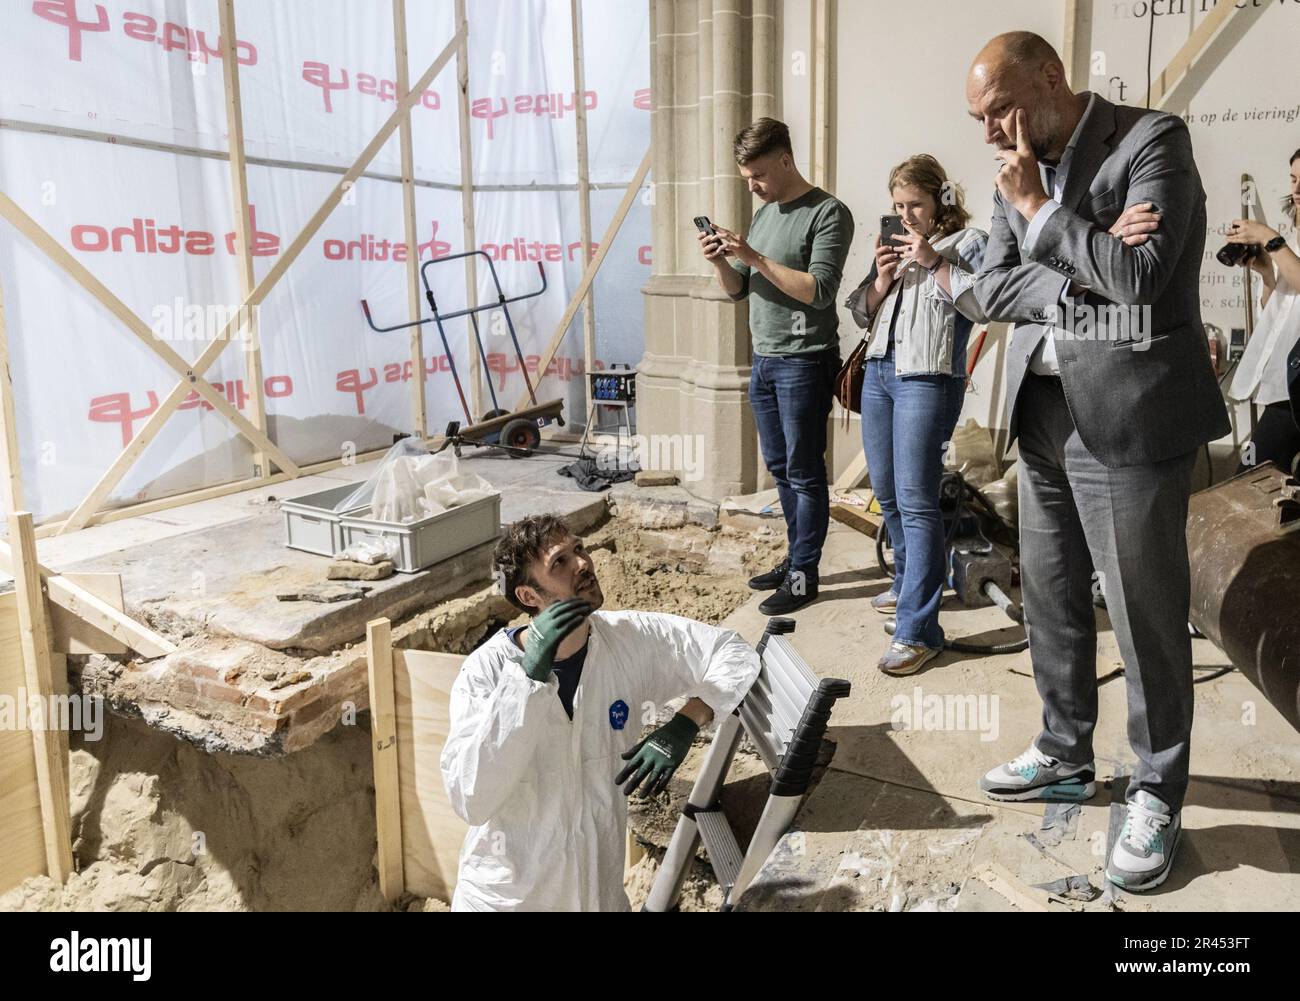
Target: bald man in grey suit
x: 1094, y: 254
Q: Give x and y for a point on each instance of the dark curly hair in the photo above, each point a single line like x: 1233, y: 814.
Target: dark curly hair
x: 522, y: 543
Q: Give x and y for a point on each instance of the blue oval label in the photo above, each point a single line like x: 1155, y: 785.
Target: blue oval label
x: 618, y: 714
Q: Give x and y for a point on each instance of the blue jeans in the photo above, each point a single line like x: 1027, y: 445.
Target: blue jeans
x: 906, y: 422
x: 791, y: 399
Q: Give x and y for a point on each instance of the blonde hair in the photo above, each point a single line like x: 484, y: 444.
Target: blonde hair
x: 925, y: 172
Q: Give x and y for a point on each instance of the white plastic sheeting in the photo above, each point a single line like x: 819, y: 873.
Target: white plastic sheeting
x: 155, y: 225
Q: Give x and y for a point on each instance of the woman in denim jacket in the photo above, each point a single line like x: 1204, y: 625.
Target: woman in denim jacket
x: 914, y: 380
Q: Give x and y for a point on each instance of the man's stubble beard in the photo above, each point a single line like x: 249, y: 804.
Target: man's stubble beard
x: 1044, y: 131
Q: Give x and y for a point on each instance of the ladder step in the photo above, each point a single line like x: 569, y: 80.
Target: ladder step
x: 719, y: 841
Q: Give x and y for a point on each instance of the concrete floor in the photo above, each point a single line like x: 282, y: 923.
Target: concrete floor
x: 898, y: 821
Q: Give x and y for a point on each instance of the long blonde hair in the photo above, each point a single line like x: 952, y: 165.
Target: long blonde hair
x: 925, y: 172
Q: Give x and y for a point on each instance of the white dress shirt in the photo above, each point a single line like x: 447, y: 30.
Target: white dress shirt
x: 1044, y: 360
x: 1261, y: 373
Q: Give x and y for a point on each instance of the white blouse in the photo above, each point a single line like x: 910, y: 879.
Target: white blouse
x: 1261, y: 373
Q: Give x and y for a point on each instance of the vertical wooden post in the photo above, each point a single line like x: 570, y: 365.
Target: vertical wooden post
x: 1077, y: 51
x: 383, y: 750
x: 584, y: 194
x: 476, y: 373
x: 243, y: 229
x: 12, y: 474
x: 34, y: 637
x: 821, y: 172
x: 419, y: 411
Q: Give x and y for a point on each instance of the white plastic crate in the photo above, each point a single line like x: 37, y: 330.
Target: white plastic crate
x: 434, y: 539
x: 312, y: 525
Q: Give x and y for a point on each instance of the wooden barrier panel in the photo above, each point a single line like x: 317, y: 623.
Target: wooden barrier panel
x: 22, y: 841
x: 432, y: 834
x: 419, y: 835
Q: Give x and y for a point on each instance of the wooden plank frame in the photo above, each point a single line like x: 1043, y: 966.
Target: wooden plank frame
x: 34, y: 637
x: 584, y: 193
x: 88, y: 607
x: 1076, y: 53
x: 469, y: 225
x: 821, y: 167
x: 1164, y: 84
x: 419, y: 835
x: 102, y: 618
x: 11, y: 490
x: 589, y: 275
x: 383, y: 753
x: 22, y: 836
x: 192, y: 375
x: 265, y: 452
x: 419, y: 411
x: 243, y: 222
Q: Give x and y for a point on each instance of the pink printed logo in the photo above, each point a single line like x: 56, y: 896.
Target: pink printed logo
x: 64, y: 12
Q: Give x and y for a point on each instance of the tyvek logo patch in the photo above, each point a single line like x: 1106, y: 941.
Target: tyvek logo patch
x: 618, y: 714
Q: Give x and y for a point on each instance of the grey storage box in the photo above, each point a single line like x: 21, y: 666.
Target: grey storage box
x: 434, y: 539
x: 312, y: 525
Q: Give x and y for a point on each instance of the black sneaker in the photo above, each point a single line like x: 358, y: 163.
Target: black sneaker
x: 773, y: 579
x: 797, y: 590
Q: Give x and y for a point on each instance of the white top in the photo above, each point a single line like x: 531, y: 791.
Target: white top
x: 547, y: 823
x: 1261, y: 373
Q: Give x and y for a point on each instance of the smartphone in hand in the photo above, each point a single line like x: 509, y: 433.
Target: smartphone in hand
x: 703, y: 224
x: 890, y: 227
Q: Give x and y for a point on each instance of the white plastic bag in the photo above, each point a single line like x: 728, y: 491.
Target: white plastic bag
x: 410, y: 484
x: 371, y: 549
x: 399, y: 496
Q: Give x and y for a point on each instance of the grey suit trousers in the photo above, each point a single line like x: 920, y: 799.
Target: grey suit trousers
x: 1124, y: 530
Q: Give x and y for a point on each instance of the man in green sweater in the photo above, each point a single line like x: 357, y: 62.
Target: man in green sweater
x: 789, y: 269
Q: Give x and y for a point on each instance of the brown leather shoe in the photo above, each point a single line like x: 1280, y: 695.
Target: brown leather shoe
x: 902, y: 659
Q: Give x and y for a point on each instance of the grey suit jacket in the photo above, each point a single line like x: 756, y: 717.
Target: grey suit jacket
x: 1138, y: 381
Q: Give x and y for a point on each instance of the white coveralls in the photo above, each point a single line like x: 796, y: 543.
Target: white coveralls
x: 547, y: 823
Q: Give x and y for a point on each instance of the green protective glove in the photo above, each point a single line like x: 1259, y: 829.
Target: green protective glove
x: 655, y: 758
x: 547, y: 631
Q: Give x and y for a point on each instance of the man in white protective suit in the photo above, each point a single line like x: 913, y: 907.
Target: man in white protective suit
x: 542, y: 750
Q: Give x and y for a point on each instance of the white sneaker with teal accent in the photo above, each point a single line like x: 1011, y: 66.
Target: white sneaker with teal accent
x: 1033, y: 775
x: 1144, y: 852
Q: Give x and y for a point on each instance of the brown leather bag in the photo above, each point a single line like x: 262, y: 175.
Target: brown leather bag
x: 848, y: 382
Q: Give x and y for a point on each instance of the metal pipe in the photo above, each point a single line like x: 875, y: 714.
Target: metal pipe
x: 1243, y: 541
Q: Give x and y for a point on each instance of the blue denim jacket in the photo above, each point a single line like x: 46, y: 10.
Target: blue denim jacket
x: 930, y: 332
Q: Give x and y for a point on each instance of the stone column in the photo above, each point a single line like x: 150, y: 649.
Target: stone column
x: 713, y: 70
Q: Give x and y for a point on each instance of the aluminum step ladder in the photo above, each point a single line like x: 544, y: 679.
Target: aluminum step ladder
x: 785, y: 713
